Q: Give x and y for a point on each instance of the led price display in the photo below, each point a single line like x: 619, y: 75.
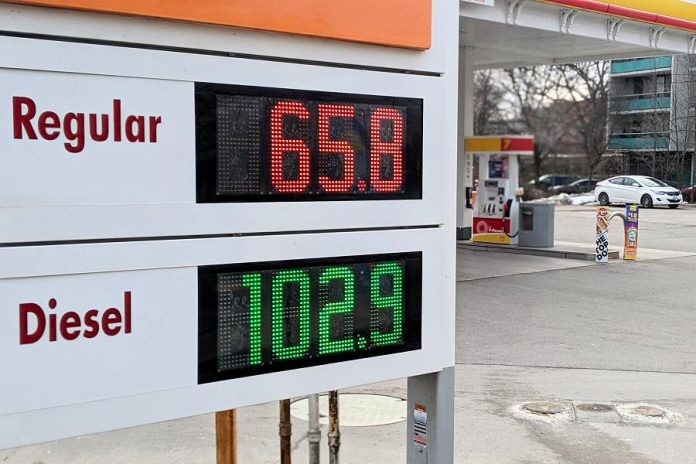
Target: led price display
x: 262, y: 144
x: 266, y: 317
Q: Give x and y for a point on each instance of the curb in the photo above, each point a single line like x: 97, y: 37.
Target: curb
x: 547, y: 252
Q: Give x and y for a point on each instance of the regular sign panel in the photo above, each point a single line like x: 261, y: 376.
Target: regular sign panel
x: 165, y: 153
x: 253, y: 144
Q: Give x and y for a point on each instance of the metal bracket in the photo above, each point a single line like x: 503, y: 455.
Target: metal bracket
x: 566, y: 20
x: 692, y: 44
x: 514, y: 8
x: 613, y: 28
x: 656, y: 36
x: 618, y: 214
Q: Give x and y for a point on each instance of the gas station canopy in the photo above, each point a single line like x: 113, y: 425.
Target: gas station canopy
x: 510, y: 33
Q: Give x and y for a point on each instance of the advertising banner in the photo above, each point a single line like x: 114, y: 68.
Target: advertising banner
x: 492, y: 230
x: 631, y: 226
x: 602, y: 242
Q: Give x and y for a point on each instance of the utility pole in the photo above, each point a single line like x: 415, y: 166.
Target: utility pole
x: 285, y: 432
x: 314, y: 431
x: 334, y: 430
x: 226, y: 436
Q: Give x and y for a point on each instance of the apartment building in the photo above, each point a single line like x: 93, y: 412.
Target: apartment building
x: 651, y: 116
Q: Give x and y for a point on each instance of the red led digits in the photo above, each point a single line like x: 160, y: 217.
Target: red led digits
x: 393, y: 148
x: 280, y: 147
x: 328, y: 146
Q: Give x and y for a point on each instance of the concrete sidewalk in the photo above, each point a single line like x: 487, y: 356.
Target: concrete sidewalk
x: 487, y: 430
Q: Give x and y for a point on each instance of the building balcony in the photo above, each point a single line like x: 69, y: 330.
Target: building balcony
x: 641, y: 65
x: 642, y: 102
x: 640, y: 141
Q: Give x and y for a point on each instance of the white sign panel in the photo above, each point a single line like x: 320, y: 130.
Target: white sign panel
x: 94, y: 140
x: 95, y: 336
x: 195, y: 326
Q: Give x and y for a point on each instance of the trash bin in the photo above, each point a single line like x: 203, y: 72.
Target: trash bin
x: 536, y: 224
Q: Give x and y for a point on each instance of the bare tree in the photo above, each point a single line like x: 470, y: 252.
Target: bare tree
x: 587, y: 86
x: 488, y: 98
x: 683, y: 120
x: 533, y: 91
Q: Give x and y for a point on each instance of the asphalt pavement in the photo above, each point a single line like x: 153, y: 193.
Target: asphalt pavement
x: 529, y: 329
x: 660, y: 228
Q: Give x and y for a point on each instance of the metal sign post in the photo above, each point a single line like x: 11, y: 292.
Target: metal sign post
x: 430, y: 418
x: 226, y: 437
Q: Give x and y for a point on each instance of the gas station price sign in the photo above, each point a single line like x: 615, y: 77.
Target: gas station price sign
x: 264, y: 144
x: 267, y: 317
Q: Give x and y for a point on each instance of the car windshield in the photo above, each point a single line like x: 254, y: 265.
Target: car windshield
x: 652, y: 182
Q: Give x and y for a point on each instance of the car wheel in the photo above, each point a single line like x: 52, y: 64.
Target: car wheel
x: 646, y: 201
x: 673, y: 206
x: 603, y: 199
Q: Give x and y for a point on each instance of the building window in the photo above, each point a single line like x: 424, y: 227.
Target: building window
x: 637, y: 86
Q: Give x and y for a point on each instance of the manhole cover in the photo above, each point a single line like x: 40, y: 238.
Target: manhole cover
x: 645, y: 413
x: 594, y: 407
x: 357, y: 410
x: 545, y: 409
x: 649, y: 411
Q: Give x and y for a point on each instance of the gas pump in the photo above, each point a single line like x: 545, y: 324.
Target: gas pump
x: 496, y: 205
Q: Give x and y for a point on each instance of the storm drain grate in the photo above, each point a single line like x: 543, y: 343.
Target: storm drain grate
x: 594, y: 407
x: 545, y: 409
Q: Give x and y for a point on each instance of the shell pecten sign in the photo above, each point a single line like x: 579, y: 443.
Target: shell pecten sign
x: 679, y: 14
x: 395, y: 23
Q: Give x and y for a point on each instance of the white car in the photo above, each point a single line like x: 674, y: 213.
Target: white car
x: 642, y: 190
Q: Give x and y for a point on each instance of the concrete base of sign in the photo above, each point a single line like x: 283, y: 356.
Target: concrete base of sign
x: 560, y: 250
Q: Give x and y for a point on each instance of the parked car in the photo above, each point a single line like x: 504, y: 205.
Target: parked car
x: 543, y: 186
x: 643, y: 190
x: 689, y: 194
x: 549, y: 181
x: 579, y: 186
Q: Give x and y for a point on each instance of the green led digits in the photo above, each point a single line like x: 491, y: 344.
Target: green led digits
x: 330, y: 310
x: 267, y: 317
x: 394, y: 302
x: 279, y: 313
x: 253, y: 283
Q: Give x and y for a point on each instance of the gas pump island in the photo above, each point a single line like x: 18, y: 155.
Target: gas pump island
x: 496, y: 202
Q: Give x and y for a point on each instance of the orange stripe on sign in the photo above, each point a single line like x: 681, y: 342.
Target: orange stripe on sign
x: 483, y: 145
x: 396, y: 23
